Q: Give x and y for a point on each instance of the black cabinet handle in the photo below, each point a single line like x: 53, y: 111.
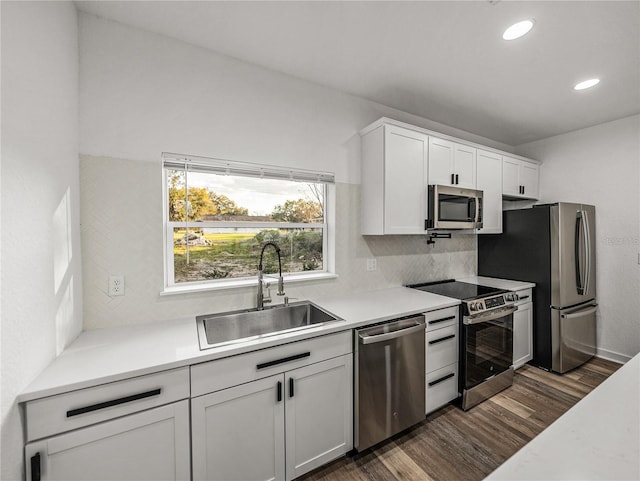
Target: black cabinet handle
x: 291, y: 393
x: 523, y: 298
x: 436, y: 321
x: 442, y: 339
x: 295, y: 357
x: 457, y: 179
x: 113, y: 402
x: 35, y: 467
x: 444, y: 378
x: 523, y: 190
x: 452, y: 179
x: 279, y: 391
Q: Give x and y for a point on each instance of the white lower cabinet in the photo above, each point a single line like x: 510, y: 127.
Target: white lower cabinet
x: 278, y: 427
x: 441, y: 351
x: 523, y: 333
x: 150, y: 445
x: 318, y: 414
x: 238, y: 432
x: 136, y: 429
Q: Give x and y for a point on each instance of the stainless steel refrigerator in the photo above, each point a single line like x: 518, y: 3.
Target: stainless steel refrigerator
x: 552, y: 245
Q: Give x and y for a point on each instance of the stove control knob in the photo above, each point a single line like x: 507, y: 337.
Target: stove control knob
x: 480, y: 306
x: 473, y: 306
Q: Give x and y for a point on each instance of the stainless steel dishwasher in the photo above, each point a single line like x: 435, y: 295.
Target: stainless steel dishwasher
x: 389, y: 379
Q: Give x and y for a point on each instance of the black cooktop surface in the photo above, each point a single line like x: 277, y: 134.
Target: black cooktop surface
x: 457, y: 290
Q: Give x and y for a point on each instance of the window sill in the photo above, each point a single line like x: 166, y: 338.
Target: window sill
x: 239, y: 283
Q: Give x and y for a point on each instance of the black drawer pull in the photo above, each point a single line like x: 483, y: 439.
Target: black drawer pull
x: 442, y: 339
x: 279, y: 390
x: 291, y: 387
x: 265, y: 365
x: 436, y: 321
x: 523, y: 298
x: 444, y: 378
x: 113, y: 402
x: 35, y: 467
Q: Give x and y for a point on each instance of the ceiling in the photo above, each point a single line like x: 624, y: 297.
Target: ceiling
x: 442, y: 60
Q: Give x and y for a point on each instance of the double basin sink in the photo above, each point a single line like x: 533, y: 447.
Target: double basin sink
x: 215, y: 330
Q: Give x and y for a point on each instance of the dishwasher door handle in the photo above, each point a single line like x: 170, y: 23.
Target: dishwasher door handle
x: 368, y: 339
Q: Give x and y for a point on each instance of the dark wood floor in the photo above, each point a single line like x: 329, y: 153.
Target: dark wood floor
x: 455, y: 445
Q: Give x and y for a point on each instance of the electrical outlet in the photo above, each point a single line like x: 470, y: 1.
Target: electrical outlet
x: 372, y: 264
x: 116, y: 286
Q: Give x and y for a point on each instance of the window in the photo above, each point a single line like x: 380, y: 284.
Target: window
x: 218, y: 214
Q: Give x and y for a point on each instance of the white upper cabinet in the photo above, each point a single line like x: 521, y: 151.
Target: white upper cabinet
x: 489, y: 181
x: 399, y: 162
x: 394, y: 177
x: 519, y: 179
x: 451, y: 163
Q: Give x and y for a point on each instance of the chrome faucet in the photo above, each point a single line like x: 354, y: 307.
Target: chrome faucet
x: 260, y: 299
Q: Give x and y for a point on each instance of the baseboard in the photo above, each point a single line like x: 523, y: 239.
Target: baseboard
x: 612, y: 356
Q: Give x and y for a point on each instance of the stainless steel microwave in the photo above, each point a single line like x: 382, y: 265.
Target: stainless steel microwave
x: 451, y: 207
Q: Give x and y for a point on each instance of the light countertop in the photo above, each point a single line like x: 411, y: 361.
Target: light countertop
x: 597, y: 439
x: 106, y: 355
x: 506, y: 284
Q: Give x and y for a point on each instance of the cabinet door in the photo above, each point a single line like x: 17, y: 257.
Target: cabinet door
x: 529, y: 180
x: 441, y: 155
x: 150, y: 445
x: 404, y: 181
x: 522, y: 335
x: 238, y: 433
x: 319, y: 421
x: 464, y: 166
x: 510, y: 177
x: 489, y: 181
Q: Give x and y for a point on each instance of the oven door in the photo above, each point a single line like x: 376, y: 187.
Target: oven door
x: 487, y: 345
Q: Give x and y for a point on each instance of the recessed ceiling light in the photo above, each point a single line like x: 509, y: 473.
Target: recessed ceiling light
x: 517, y: 30
x: 587, y: 84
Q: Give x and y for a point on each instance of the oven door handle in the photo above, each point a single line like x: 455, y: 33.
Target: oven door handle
x: 469, y: 320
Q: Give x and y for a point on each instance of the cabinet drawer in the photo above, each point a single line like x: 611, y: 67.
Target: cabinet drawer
x: 442, y: 387
x: 441, y: 318
x: 441, y: 347
x: 75, y: 409
x: 231, y: 371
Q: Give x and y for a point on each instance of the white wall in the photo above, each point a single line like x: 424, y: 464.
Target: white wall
x: 41, y: 271
x: 601, y: 166
x: 143, y: 93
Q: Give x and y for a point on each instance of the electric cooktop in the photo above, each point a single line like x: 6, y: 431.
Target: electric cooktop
x: 457, y: 290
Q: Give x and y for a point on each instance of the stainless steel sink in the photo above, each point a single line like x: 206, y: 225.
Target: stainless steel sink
x: 216, y: 330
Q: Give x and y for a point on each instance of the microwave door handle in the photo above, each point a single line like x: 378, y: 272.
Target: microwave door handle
x: 477, y: 217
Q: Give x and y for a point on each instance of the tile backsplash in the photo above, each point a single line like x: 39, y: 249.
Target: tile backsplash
x: 121, y: 217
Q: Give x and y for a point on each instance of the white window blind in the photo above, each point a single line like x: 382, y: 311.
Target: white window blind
x: 245, y: 169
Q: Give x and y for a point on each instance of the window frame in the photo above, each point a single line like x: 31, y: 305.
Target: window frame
x: 327, y: 227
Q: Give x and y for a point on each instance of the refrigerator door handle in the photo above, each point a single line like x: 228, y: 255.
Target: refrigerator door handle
x: 587, y: 250
x: 579, y: 284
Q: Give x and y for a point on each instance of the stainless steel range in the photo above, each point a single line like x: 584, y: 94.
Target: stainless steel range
x: 486, y: 350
